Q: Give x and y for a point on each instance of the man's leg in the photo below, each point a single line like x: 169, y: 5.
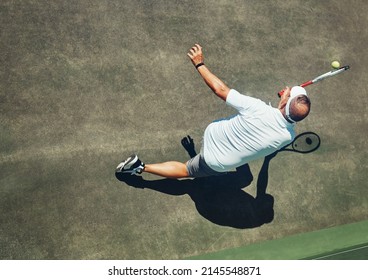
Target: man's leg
x: 169, y: 169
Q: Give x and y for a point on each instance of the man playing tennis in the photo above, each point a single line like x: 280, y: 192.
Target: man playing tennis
x: 257, y: 130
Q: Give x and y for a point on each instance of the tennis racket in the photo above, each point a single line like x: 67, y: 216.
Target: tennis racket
x: 304, y: 143
x: 321, y: 77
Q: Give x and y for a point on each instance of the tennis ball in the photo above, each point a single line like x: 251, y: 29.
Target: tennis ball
x: 335, y: 64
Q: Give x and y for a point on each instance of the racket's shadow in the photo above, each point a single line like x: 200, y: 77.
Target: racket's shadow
x: 304, y: 143
x: 221, y: 199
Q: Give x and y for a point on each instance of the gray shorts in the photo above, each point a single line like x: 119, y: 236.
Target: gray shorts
x: 197, y: 167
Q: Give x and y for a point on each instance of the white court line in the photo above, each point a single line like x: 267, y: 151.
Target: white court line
x: 342, y: 252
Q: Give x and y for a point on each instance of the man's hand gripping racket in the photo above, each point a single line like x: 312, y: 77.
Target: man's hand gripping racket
x: 321, y: 77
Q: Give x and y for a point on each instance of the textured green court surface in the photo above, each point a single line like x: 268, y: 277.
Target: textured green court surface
x: 348, y: 242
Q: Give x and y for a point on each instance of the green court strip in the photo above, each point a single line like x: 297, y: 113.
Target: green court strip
x: 359, y: 252
x: 342, y: 242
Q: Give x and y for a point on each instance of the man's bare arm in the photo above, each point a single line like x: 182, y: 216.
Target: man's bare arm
x: 216, y: 85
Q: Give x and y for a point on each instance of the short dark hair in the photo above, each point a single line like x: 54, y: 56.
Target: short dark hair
x: 296, y: 116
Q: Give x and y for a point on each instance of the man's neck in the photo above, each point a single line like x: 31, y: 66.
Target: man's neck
x: 284, y: 115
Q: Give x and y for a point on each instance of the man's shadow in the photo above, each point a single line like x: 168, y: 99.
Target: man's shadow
x: 219, y: 199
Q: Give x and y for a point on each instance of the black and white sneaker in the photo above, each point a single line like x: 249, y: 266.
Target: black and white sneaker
x: 132, y: 165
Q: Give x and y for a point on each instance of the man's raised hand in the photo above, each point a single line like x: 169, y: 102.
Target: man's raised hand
x: 195, y: 54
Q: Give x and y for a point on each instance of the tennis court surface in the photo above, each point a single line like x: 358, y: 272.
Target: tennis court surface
x: 347, y: 242
x: 84, y: 84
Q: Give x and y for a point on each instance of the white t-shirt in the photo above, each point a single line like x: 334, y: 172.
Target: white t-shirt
x: 256, y: 131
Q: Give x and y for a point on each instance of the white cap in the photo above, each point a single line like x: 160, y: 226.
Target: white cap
x: 295, y: 91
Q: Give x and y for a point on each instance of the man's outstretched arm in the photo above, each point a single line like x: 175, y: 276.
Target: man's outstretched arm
x: 216, y: 85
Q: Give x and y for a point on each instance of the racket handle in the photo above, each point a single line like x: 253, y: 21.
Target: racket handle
x: 302, y: 85
x: 280, y: 93
x: 306, y: 84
